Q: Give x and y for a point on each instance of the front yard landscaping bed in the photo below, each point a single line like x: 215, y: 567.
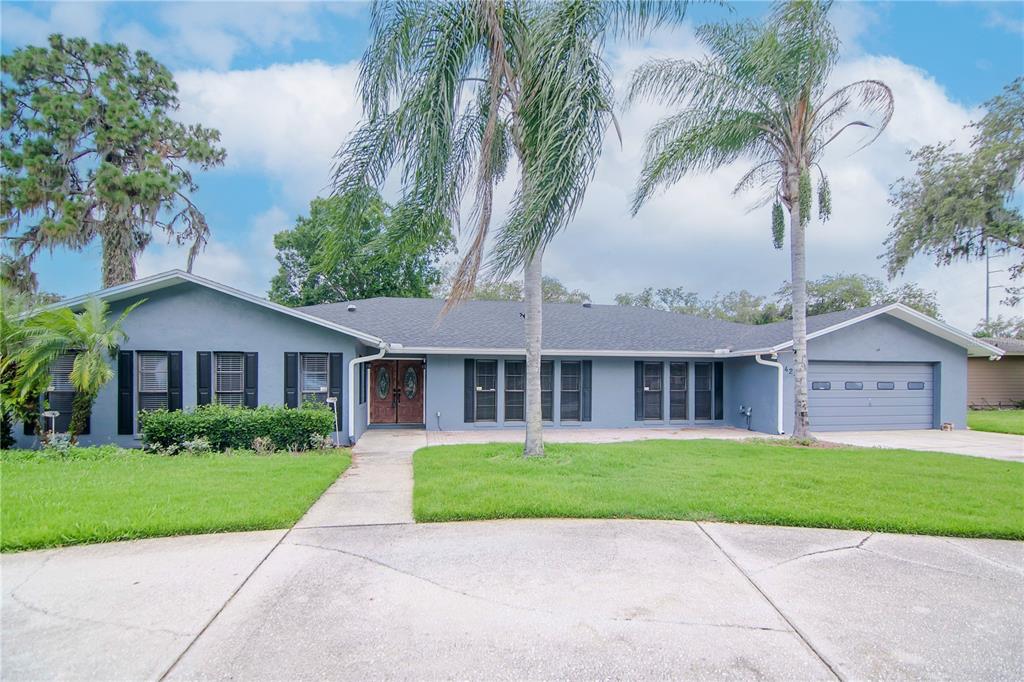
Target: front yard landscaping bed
x: 997, y: 421
x: 897, y: 491
x: 107, y: 493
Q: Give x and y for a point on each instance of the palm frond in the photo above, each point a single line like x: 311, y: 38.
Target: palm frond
x: 700, y: 144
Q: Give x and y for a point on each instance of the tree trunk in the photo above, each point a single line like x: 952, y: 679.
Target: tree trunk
x: 81, y: 408
x: 119, y: 250
x: 533, y: 294
x: 798, y: 260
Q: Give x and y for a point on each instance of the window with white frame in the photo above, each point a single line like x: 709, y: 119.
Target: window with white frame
x: 515, y: 390
x: 61, y: 392
x: 229, y: 378
x: 486, y: 390
x: 571, y: 396
x: 313, y: 376
x: 152, y: 380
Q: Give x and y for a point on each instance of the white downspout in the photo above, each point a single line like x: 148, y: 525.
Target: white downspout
x: 352, y: 386
x: 777, y: 365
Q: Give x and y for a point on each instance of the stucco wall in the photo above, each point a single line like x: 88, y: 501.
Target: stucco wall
x: 191, y: 318
x: 612, y: 391
x: 887, y: 339
x: 748, y: 384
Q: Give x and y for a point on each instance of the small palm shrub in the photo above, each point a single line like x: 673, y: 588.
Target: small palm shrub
x: 236, y: 428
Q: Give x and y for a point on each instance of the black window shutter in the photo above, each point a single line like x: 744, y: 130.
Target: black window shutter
x: 204, y: 372
x: 174, y: 380
x: 335, y: 372
x: 125, y: 397
x: 291, y: 379
x: 469, y: 401
x: 638, y: 390
x: 719, y: 387
x: 585, y: 376
x: 251, y: 379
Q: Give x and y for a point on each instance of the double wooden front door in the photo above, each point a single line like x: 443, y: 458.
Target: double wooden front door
x: 396, y: 392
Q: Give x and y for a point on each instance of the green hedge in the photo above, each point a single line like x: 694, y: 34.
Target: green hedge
x: 237, y: 427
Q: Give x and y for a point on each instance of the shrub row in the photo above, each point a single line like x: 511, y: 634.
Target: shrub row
x: 237, y: 427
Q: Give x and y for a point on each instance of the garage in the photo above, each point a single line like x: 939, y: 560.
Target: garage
x: 871, y: 396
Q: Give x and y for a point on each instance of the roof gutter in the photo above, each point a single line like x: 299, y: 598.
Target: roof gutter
x: 384, y: 348
x: 777, y: 365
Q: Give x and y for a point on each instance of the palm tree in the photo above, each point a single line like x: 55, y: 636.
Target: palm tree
x: 761, y: 94
x: 16, y: 309
x: 453, y: 91
x: 94, y: 340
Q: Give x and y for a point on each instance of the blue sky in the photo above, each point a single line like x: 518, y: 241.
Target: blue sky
x: 277, y: 78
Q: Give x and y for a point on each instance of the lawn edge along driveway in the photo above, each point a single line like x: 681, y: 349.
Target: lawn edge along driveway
x: 105, y: 494
x: 996, y: 421
x: 896, y: 491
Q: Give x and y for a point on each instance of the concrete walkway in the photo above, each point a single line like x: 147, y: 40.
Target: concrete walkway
x: 1003, y: 446
x: 377, y: 487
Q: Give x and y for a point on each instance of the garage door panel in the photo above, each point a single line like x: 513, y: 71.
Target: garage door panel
x: 888, y: 402
x: 870, y: 408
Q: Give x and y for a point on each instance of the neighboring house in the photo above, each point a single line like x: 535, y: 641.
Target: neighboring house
x: 397, y: 363
x: 997, y: 384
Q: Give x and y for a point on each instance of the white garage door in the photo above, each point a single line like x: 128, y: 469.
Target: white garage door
x: 869, y: 396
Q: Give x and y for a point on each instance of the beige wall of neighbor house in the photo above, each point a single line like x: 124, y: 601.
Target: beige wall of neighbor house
x: 999, y: 383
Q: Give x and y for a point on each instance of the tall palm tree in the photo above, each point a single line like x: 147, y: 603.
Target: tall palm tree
x: 452, y: 92
x: 91, y: 335
x: 761, y: 93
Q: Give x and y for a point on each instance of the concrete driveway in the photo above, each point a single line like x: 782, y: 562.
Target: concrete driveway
x: 519, y: 599
x: 961, y: 442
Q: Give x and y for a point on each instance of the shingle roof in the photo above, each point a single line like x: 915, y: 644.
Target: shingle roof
x: 769, y: 335
x: 417, y: 323
x: 1010, y: 345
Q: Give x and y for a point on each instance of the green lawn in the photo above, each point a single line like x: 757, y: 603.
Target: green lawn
x: 752, y: 482
x: 102, y: 494
x: 1000, y: 421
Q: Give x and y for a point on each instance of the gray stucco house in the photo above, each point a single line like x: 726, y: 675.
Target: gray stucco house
x: 395, y: 363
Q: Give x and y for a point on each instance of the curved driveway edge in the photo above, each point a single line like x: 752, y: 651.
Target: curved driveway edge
x: 616, y: 599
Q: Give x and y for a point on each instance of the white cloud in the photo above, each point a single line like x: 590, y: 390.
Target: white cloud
x: 286, y: 121
x: 22, y: 26
x: 851, y: 21
x: 216, y: 32
x: 247, y: 265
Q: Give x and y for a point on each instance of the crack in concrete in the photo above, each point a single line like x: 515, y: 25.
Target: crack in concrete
x: 927, y: 565
x: 981, y: 557
x: 220, y: 610
x: 797, y: 631
x: 859, y: 545
x: 92, y: 621
x: 529, y: 609
x: 40, y: 567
